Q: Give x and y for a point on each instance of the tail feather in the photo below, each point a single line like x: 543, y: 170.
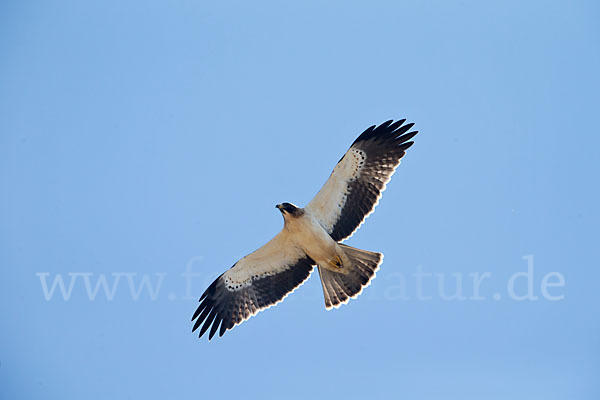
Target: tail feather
x: 338, y: 287
x: 331, y: 288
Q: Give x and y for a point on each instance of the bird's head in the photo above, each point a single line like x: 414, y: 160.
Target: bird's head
x: 288, y: 209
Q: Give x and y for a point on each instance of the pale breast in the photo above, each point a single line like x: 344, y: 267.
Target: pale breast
x: 309, y: 235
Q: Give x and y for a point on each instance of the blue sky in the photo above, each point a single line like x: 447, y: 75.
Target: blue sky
x: 140, y: 138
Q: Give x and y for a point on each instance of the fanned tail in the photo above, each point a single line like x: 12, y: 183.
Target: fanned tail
x: 338, y: 287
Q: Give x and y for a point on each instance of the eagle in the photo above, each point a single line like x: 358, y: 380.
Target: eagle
x: 311, y: 236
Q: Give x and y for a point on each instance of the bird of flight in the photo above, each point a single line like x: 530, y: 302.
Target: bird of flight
x: 312, y: 236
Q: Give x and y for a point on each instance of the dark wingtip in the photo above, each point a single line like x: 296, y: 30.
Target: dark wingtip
x: 223, y: 329
x: 386, y: 129
x: 197, y: 312
x: 405, y: 146
x: 396, y: 125
x: 214, y: 328
x: 386, y: 124
x: 406, y: 137
x: 207, y: 323
x: 203, y: 311
x: 408, y: 126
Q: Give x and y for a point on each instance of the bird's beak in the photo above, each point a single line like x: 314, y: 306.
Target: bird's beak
x: 278, y: 206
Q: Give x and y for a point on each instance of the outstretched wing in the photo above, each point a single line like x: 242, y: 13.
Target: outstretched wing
x: 357, y: 181
x: 257, y: 281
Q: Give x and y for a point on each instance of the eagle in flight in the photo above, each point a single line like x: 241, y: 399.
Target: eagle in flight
x: 312, y: 236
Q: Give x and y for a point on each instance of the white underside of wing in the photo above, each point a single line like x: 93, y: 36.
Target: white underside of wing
x: 278, y: 255
x: 327, y: 205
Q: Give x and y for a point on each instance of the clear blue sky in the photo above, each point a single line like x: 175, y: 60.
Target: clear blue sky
x: 141, y: 137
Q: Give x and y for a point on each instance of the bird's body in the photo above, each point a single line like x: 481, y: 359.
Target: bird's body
x: 312, y: 236
x: 307, y: 233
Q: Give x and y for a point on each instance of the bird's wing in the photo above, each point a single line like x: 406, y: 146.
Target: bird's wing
x: 257, y: 281
x: 357, y: 181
